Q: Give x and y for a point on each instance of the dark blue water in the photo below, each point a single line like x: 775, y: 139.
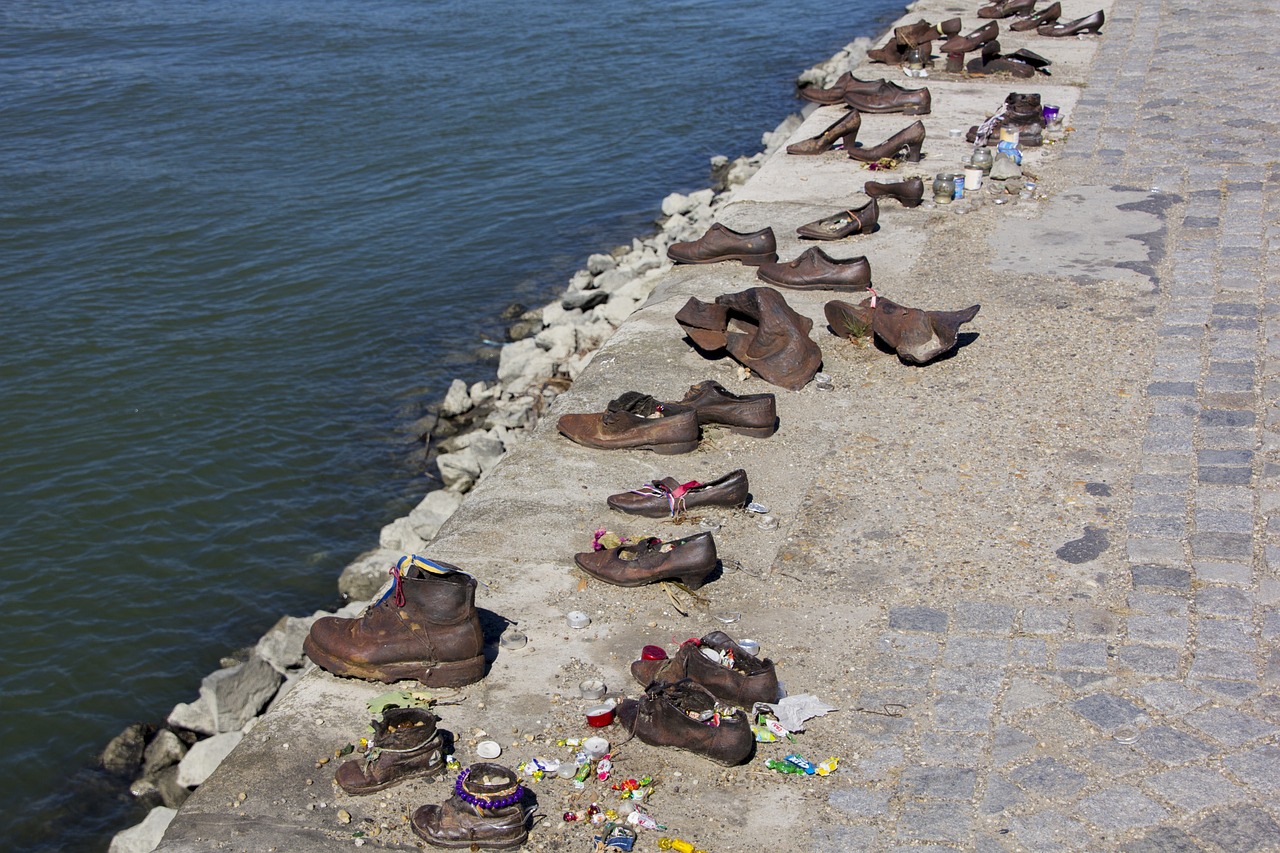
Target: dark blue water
x: 241, y: 244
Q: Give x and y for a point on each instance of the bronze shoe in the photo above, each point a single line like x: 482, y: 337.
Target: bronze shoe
x: 425, y: 627
x: 890, y: 98
x: 906, y: 141
x: 893, y: 53
x: 917, y: 336
x: 843, y: 129
x: 909, y: 192
x: 487, y: 810
x: 846, y: 82
x: 668, y: 498
x: 724, y: 244
x: 855, y: 220
x: 734, y: 677
x: 405, y: 743
x: 949, y: 27
x: 1047, y: 15
x: 690, y: 561
x: 662, y: 428
x: 755, y: 415
x: 914, y: 35
x: 1006, y: 8
x: 1021, y: 63
x: 814, y: 269
x: 1091, y: 23
x: 973, y: 41
x: 685, y: 715
x: 759, y: 330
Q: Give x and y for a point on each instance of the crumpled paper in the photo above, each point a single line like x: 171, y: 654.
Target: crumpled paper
x: 792, y: 711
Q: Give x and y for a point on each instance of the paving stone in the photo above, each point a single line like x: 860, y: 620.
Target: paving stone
x: 1160, y: 527
x: 1194, y: 788
x: 918, y: 619
x: 1225, y: 499
x: 1154, y: 604
x: 860, y: 802
x: 1225, y: 634
x: 910, y: 645
x: 952, y: 748
x: 880, y: 763
x: 841, y: 839
x: 976, y: 651
x: 1110, y: 759
x: 1045, y: 620
x: 961, y: 714
x: 1123, y: 807
x: 1049, y: 777
x: 1241, y: 829
x: 1163, y: 839
x: 1145, y: 576
x: 1107, y: 711
x: 939, y: 783
x: 1225, y: 418
x: 1224, y: 601
x: 935, y: 822
x: 1001, y: 796
x: 1170, y: 630
x: 1048, y: 831
x: 1229, y: 726
x: 1234, y: 458
x: 1259, y: 768
x: 984, y: 617
x: 1085, y: 654
x: 1216, y: 571
x: 1170, y: 697
x: 1218, y: 521
x: 1172, y: 505
x: 1030, y: 651
x: 1154, y: 551
x: 1234, y: 691
x: 1271, y: 626
x: 1081, y: 680
x: 1219, y: 663
x: 985, y: 683
x: 1093, y: 622
x: 1022, y: 694
x: 1150, y: 660
x: 1223, y: 476
x: 1167, y: 744
x: 1223, y: 545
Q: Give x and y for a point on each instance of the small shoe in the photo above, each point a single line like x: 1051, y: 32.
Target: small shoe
x: 909, y: 139
x: 719, y: 664
x: 755, y: 415
x: 405, y: 743
x: 690, y: 561
x: 891, y: 98
x: 630, y: 423
x: 916, y: 35
x: 814, y: 269
x: 843, y: 129
x: 487, y: 811
x: 1007, y: 8
x: 949, y: 27
x: 668, y: 498
x: 857, y: 220
x: 685, y: 715
x: 1088, y: 24
x: 973, y: 41
x: 724, y: 244
x: 909, y: 192
x: 1047, y: 15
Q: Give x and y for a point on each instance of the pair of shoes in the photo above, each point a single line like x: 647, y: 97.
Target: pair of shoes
x: 1006, y: 8
x: 1021, y: 63
x: 489, y: 809
x: 406, y: 742
x: 909, y: 192
x: 758, y: 329
x: 690, y: 561
x: 685, y: 715
x: 720, y: 665
x: 814, y: 269
x: 724, y: 244
x: 639, y: 421
x: 870, y: 96
x: 1047, y: 15
x: 917, y: 336
x: 1090, y: 23
x: 844, y: 129
x: 426, y: 627
x: 669, y: 498
x: 908, y: 140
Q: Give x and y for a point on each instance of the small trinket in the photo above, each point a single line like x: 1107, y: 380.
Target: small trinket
x: 798, y: 760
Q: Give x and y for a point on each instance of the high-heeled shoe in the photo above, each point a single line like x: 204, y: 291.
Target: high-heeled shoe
x: 949, y: 27
x: 858, y: 220
x: 846, y: 128
x: 909, y: 192
x: 973, y: 41
x: 1047, y: 15
x: 1088, y: 24
x: 1006, y: 8
x: 909, y: 138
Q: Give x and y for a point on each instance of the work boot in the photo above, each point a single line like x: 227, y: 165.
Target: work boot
x: 405, y: 743
x: 425, y: 627
x: 719, y: 664
x: 486, y: 811
x: 685, y: 715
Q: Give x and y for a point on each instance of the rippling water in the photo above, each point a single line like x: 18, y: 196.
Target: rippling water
x: 241, y: 243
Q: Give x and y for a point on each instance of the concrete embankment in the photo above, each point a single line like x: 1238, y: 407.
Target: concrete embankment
x: 1033, y: 577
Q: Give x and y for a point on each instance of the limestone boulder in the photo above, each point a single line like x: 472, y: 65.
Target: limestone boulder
x: 165, y: 750
x: 205, y: 756
x: 193, y: 717
x: 365, y: 575
x: 457, y: 400
x: 458, y: 471
x: 433, y: 511
x: 234, y: 695
x: 282, y: 645
x: 123, y: 755
x: 143, y: 837
x: 599, y: 263
x: 488, y: 451
x: 399, y: 536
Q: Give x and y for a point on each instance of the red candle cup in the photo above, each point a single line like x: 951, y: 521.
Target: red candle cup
x: 599, y: 716
x: 653, y: 653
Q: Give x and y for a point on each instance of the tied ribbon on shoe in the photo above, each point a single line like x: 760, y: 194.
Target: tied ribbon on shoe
x: 675, y: 497
x: 396, y: 593
x: 492, y: 802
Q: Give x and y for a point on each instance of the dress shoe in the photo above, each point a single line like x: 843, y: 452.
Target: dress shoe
x: 405, y: 743
x: 893, y: 53
x: 759, y: 330
x: 719, y: 664
x: 1088, y: 24
x: 857, y: 220
x: 487, y: 811
x: 724, y: 244
x: 909, y: 139
x: 1006, y: 8
x: 844, y: 128
x: 909, y: 192
x: 689, y: 561
x: 1021, y: 63
x: 755, y: 415
x: 814, y: 269
x: 917, y: 336
x: 846, y: 82
x: 890, y: 98
x: 662, y: 428
x: 685, y: 715
x: 1047, y: 15
x: 973, y: 41
x: 669, y: 498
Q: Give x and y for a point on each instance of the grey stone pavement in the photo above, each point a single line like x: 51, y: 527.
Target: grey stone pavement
x: 1166, y: 736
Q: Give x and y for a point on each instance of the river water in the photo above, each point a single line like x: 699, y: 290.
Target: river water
x: 242, y: 242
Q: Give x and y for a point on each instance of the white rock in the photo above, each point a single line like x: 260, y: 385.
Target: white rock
x: 581, y: 280
x: 196, y: 717
x: 235, y: 694
x: 559, y: 341
x: 368, y: 573
x: 599, y: 263
x: 612, y: 280
x: 512, y: 414
x: 488, y: 451
x: 282, y: 645
x: 459, y: 471
x: 433, y: 511
x: 617, y: 309
x: 146, y: 836
x: 556, y: 314
x: 675, y: 203
x: 400, y: 537
x: 676, y: 224
x: 456, y: 401
x: 205, y: 756
x: 514, y: 358
x: 574, y: 365
x: 702, y: 199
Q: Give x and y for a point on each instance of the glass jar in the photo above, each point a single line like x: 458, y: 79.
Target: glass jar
x: 982, y: 159
x: 944, y: 188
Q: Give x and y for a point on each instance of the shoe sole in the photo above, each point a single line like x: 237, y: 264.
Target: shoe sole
x: 450, y: 674
x: 747, y: 260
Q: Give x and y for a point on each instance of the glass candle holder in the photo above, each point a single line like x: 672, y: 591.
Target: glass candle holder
x: 944, y: 188
x: 1050, y: 113
x: 982, y: 159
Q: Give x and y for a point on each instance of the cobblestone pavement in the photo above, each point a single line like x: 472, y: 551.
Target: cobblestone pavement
x: 1144, y: 719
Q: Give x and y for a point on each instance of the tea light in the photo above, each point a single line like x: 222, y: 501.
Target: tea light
x: 599, y: 716
x: 767, y: 522
x: 596, y: 747
x: 751, y: 647
x: 488, y: 749
x: 955, y: 133
x: 513, y: 640
x: 577, y: 619
x: 592, y: 688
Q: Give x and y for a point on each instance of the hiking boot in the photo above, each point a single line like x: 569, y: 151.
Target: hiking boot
x: 719, y: 664
x: 690, y: 561
x: 685, y: 715
x: 405, y: 743
x: 755, y: 415
x: 669, y: 498
x: 425, y: 627
x: 485, y: 811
